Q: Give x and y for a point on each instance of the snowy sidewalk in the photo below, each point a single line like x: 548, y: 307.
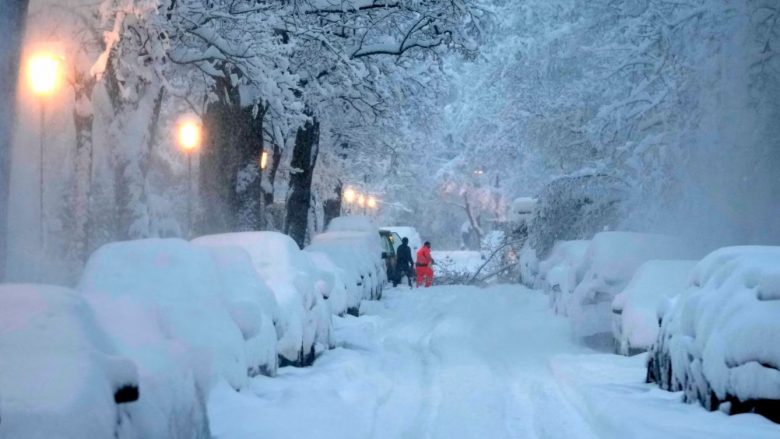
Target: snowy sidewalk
x: 462, y: 362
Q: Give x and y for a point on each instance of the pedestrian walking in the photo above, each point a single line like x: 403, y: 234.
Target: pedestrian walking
x: 424, y: 266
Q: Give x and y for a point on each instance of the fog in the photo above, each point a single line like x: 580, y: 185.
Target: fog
x: 678, y: 102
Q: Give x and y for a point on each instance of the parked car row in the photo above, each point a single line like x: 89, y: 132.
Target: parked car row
x: 705, y: 321
x: 153, y: 325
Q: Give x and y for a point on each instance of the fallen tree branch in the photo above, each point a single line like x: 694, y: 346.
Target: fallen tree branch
x: 492, y: 255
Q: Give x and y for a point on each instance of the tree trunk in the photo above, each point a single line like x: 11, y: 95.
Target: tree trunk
x: 131, y: 172
x: 332, y: 206
x: 249, y: 190
x: 12, y: 20
x: 304, y: 159
x: 474, y: 222
x: 230, y: 176
x: 219, y: 162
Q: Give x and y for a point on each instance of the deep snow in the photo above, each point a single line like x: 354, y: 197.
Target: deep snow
x: 463, y: 362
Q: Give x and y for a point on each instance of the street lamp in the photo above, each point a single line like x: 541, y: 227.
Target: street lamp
x: 189, y: 138
x: 43, y: 74
x: 350, y: 195
x: 264, y: 160
x: 372, y: 202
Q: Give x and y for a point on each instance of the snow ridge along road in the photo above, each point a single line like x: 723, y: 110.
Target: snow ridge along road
x: 457, y: 362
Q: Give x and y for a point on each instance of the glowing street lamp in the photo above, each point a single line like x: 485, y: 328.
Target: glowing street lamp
x: 372, y: 202
x: 264, y: 160
x: 189, y: 136
x: 43, y: 72
x: 361, y: 200
x: 350, y: 195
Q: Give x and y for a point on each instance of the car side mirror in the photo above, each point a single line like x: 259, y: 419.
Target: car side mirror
x: 125, y: 394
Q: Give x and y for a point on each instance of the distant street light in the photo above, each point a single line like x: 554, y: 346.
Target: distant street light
x: 361, y: 200
x: 350, y: 195
x: 189, y: 138
x: 43, y: 71
x: 264, y: 160
x: 372, y: 202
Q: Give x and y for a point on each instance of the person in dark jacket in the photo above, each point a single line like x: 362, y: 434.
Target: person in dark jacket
x: 404, y: 262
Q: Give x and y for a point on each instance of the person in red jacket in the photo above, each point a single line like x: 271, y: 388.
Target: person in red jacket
x: 424, y: 265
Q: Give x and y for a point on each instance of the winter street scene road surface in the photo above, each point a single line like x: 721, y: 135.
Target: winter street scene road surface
x: 396, y: 219
x: 464, y: 362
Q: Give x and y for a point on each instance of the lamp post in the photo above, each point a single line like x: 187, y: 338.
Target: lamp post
x: 189, y: 138
x: 43, y: 72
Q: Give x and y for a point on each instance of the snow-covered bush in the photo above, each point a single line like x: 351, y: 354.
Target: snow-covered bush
x: 575, y: 207
x: 610, y: 262
x: 560, y: 273
x: 178, y: 285
x: 718, y: 339
x: 252, y: 305
x: 303, y: 322
x: 635, y: 320
x: 60, y: 375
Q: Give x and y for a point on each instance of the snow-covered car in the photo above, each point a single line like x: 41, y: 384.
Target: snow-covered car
x: 252, y: 305
x: 610, y: 262
x: 561, y: 271
x: 177, y: 284
x: 355, y: 270
x: 361, y: 236
x: 718, y: 339
x: 635, y: 310
x: 303, y: 322
x: 60, y: 375
x: 332, y: 283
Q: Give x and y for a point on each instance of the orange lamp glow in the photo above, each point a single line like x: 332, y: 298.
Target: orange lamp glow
x: 189, y: 134
x: 43, y: 72
x: 350, y: 195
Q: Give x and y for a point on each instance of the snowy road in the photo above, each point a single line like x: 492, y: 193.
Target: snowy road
x: 461, y: 362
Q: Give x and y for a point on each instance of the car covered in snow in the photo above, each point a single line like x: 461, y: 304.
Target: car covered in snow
x: 252, y: 305
x: 332, y: 284
x: 303, y: 322
x: 635, y: 310
x: 561, y: 271
x: 60, y: 375
x: 610, y: 262
x: 718, y: 339
x: 354, y: 243
x: 162, y: 301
